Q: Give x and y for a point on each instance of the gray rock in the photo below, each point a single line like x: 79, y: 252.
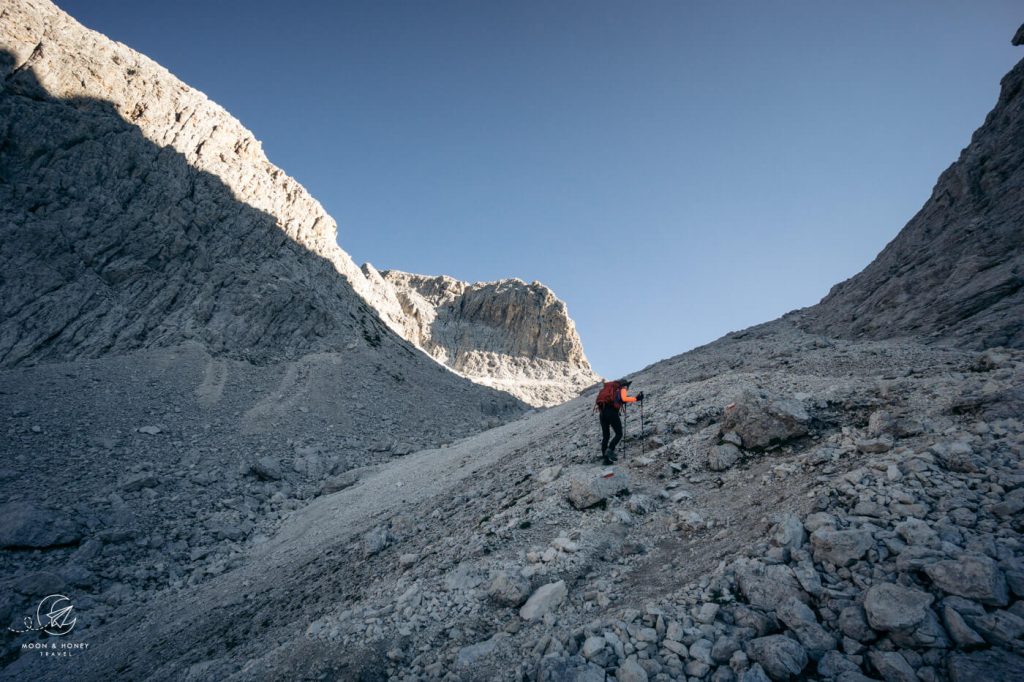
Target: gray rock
x: 509, y: 590
x: 549, y: 474
x: 769, y: 589
x: 761, y: 421
x: 149, y: 430
x: 1012, y: 503
x: 39, y: 584
x: 591, y: 487
x: 756, y: 621
x: 959, y: 630
x: 79, y: 576
x: 723, y: 674
x: 788, y: 533
x: 555, y: 669
x: 724, y: 648
x: 985, y: 666
x: 754, y: 673
x: 893, y: 607
x: 840, y: 547
x: 140, y: 481
x: 851, y: 676
x: 724, y: 456
x: 267, y: 469
x: 732, y: 437
x: 544, y: 599
x: 701, y: 651
x: 892, y: 666
x: 917, y: 532
x: 472, y: 654
x: 343, y: 480
x: 971, y: 576
x: 929, y: 633
x: 799, y: 618
x: 1013, y: 569
x: 630, y: 671
x: 375, y: 541
x: 781, y: 657
x: 874, y: 445
x: 916, y: 558
x: 833, y: 664
x: 854, y: 625
x: 1001, y: 628
x: 881, y: 423
x: 592, y: 646
x: 23, y: 524
x: 808, y: 578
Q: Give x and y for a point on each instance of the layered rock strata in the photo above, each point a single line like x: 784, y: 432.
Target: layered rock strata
x: 137, y: 213
x: 508, y: 334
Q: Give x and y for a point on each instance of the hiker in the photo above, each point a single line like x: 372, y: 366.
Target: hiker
x: 611, y: 398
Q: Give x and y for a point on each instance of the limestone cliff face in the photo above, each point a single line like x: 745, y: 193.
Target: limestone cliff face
x: 955, y: 273
x: 506, y: 334
x: 135, y: 212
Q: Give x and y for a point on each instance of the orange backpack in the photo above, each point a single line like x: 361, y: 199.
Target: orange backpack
x: 609, y: 394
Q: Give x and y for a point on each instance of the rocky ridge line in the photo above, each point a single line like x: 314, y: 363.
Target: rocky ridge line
x: 955, y: 273
x: 164, y: 222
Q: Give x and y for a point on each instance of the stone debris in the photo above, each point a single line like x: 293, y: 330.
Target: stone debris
x: 593, y: 486
x: 544, y: 599
x: 809, y: 506
x: 26, y: 525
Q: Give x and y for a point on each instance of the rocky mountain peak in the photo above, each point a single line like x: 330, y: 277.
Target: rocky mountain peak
x: 139, y: 213
x: 507, y: 334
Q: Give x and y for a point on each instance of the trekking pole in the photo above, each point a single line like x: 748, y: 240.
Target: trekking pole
x: 642, y: 428
x: 625, y: 447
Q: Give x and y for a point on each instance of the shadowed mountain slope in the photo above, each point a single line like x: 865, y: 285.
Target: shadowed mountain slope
x: 956, y: 271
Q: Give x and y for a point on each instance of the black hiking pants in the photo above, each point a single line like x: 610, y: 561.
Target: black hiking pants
x: 610, y: 419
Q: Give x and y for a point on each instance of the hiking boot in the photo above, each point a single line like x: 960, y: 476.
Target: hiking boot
x: 609, y: 456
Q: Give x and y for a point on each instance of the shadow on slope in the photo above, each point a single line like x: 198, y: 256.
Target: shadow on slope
x: 954, y: 272
x: 111, y: 243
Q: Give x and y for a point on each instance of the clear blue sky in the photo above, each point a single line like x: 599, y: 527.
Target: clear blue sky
x: 673, y: 170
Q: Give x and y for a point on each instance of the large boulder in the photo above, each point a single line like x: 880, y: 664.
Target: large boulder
x: 840, y: 547
x: 799, y: 618
x: 23, y: 524
x: 472, y: 655
x: 592, y: 487
x: 722, y: 457
x: 892, y: 666
x: 761, y: 421
x: 893, y: 607
x: 544, y: 599
x: 630, y: 671
x: 781, y: 657
x: 985, y: 666
x: 771, y: 587
x: 508, y: 589
x: 788, y: 533
x: 972, y: 576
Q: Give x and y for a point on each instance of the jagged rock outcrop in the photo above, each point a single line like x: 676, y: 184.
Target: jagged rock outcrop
x: 956, y: 271
x: 507, y: 334
x: 135, y: 213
